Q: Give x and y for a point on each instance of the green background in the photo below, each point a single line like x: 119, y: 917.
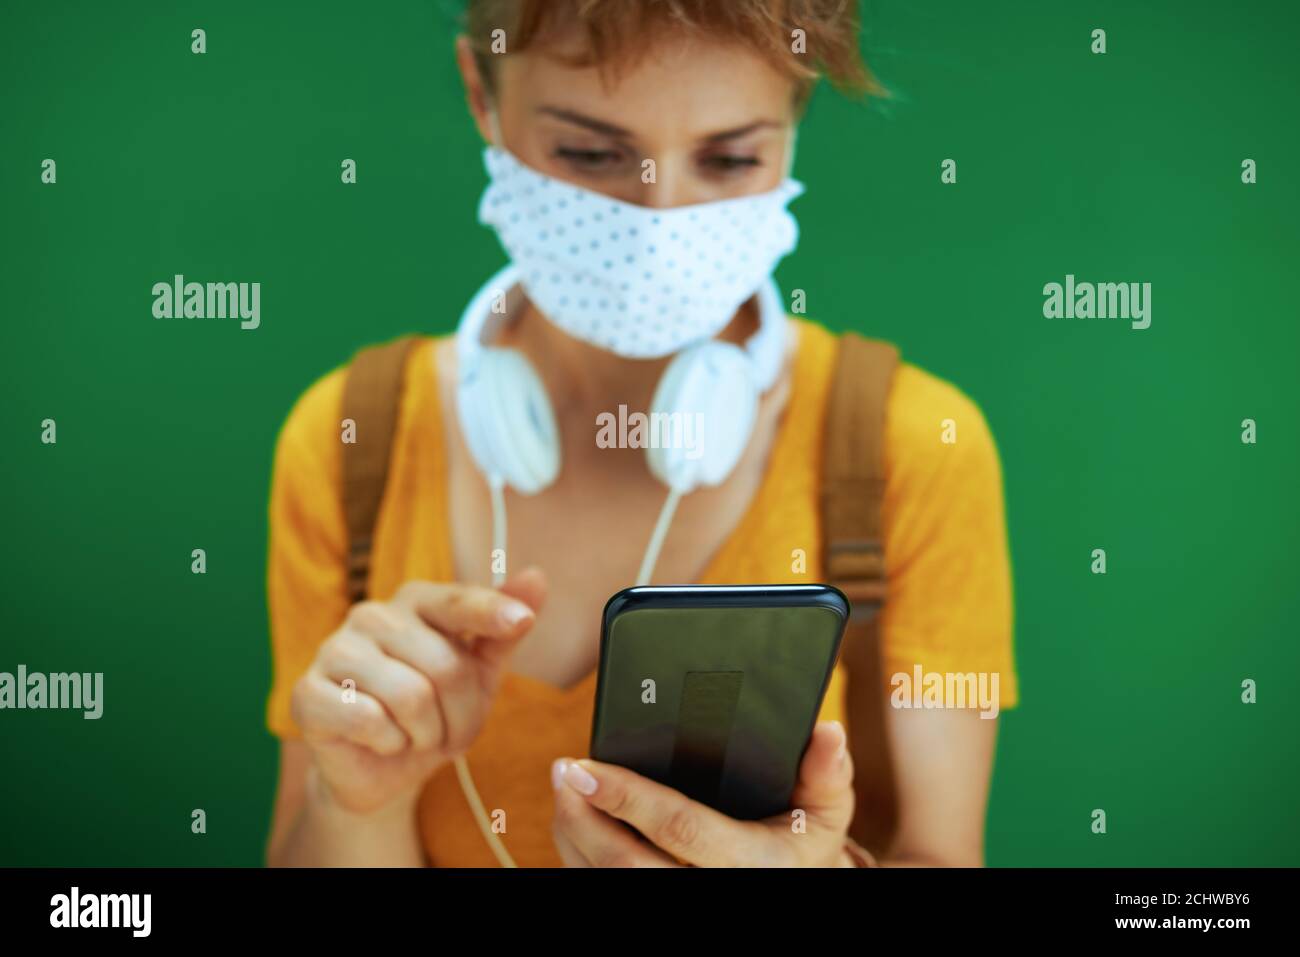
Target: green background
x: 225, y: 166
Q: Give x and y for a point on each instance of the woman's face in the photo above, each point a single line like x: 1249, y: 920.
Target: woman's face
x: 714, y: 119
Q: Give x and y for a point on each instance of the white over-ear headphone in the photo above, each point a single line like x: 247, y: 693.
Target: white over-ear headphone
x: 506, y: 418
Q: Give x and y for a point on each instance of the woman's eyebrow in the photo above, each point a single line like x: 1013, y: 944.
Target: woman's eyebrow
x: 741, y: 131
x: 609, y: 129
x: 595, y: 125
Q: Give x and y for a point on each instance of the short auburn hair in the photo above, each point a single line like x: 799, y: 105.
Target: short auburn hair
x: 617, y: 32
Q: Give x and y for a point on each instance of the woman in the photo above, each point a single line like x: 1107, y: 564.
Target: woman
x: 651, y: 106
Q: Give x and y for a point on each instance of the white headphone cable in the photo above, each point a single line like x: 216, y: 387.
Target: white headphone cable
x: 496, y: 486
x: 651, y: 557
x: 480, y: 813
x: 643, y: 576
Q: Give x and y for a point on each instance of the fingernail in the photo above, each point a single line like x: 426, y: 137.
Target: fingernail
x: 557, y: 772
x: 580, y: 779
x: 513, y: 612
x: 841, y: 750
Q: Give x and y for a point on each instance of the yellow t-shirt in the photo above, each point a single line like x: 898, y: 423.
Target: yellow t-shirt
x: 948, y: 610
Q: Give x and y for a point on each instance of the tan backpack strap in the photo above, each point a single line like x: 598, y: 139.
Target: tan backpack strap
x: 371, y: 398
x: 852, y: 492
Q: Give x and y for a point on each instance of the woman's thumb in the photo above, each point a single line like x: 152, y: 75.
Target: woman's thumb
x: 826, y: 772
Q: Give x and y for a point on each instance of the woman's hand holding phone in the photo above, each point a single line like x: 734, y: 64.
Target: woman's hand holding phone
x: 593, y: 802
x: 405, y: 685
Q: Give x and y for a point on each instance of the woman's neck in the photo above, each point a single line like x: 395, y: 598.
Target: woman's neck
x: 583, y: 380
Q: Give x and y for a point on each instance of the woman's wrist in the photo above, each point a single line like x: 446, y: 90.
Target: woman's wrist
x: 322, y: 799
x: 340, y: 836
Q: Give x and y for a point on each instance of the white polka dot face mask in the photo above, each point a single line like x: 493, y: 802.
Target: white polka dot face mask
x: 637, y: 281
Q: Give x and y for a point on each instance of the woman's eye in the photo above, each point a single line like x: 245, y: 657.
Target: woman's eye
x: 730, y: 163
x: 587, y: 159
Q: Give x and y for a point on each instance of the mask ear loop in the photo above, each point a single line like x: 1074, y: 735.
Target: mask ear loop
x: 790, y: 143
x: 494, y: 124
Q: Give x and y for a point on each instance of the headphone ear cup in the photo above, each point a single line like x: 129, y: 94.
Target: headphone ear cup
x: 507, y: 420
x: 708, y: 400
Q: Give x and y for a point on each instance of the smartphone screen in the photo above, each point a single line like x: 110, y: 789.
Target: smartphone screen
x: 714, y: 690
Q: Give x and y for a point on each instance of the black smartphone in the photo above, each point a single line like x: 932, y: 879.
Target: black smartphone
x: 714, y: 690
